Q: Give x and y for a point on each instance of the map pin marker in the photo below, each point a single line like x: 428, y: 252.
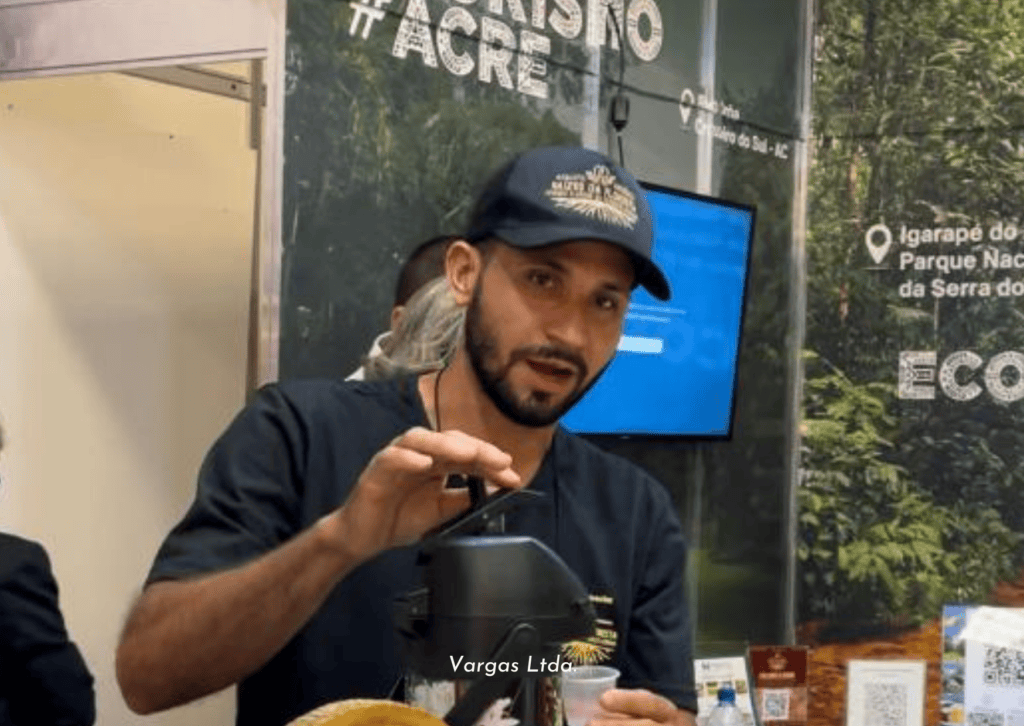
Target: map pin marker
x: 686, y: 101
x: 876, y: 250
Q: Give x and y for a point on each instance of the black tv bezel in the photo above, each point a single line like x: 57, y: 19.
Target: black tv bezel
x: 600, y: 438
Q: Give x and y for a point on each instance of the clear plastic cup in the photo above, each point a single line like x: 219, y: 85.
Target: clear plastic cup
x: 582, y: 687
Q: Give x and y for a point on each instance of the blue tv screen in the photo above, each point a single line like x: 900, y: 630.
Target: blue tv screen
x: 674, y: 373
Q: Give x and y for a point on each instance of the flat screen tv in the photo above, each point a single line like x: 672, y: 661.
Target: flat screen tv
x: 674, y: 374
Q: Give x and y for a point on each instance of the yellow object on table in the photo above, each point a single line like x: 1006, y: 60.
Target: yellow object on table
x: 367, y: 712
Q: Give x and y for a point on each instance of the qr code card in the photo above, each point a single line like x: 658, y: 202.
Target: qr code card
x: 885, y: 692
x: 993, y: 685
x: 774, y: 703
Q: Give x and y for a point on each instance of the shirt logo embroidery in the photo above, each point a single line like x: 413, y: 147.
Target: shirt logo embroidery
x: 599, y: 647
x: 595, y: 193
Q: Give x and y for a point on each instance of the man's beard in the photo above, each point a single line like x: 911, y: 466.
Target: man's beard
x: 537, y: 409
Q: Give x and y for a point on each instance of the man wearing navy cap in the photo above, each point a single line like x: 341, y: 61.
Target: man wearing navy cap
x: 282, y: 574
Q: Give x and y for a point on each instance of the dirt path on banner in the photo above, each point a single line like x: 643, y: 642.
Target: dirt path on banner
x: 828, y: 659
x: 1009, y: 594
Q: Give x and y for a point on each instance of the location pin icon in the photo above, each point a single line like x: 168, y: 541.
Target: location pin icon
x: 686, y: 101
x: 878, y: 250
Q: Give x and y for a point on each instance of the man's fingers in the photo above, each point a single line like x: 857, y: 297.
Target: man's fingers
x: 639, y: 704
x: 678, y: 718
x: 402, y: 458
x: 456, y: 452
x: 454, y: 447
x: 401, y: 494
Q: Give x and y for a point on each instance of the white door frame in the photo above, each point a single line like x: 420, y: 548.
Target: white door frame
x: 165, y: 40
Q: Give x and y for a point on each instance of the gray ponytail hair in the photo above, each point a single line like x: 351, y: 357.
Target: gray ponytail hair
x: 426, y: 337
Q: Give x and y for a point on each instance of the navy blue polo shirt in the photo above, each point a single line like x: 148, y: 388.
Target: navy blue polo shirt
x: 291, y: 457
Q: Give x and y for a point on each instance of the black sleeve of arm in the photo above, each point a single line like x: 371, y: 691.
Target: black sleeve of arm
x: 247, y: 498
x: 47, y: 679
x: 660, y: 633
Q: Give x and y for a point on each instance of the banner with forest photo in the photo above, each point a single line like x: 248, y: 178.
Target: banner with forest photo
x: 912, y: 493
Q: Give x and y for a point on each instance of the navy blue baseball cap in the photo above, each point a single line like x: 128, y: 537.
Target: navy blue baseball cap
x: 563, y: 193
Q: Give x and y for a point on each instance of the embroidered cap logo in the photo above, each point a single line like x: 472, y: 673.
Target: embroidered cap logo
x: 595, y: 193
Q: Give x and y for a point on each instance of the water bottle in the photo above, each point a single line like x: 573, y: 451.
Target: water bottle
x: 726, y: 712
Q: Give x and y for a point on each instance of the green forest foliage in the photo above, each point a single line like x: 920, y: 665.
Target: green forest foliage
x: 378, y: 149
x: 874, y: 540
x: 918, y: 118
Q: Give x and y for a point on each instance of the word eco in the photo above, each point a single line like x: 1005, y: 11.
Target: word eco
x: 1002, y: 376
x: 507, y: 40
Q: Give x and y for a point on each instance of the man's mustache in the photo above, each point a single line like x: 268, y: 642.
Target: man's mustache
x: 552, y: 353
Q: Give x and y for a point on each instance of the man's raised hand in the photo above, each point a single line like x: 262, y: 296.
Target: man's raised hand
x: 401, y: 493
